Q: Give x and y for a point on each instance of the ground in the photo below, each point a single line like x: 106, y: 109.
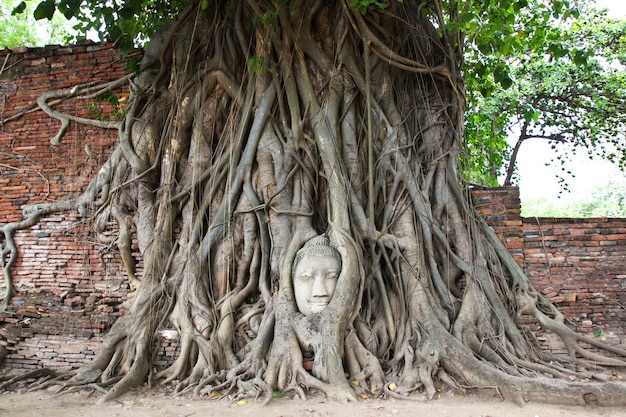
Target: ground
x: 142, y: 403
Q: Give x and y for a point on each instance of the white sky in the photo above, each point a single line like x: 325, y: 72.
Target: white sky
x: 617, y: 8
x: 537, y: 181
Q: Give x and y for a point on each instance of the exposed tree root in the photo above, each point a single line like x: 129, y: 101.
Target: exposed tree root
x: 35, y: 374
x: 255, y: 126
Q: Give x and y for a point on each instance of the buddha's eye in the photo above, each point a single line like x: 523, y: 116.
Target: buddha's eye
x: 332, y: 274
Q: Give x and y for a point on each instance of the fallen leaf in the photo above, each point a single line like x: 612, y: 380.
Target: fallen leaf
x: 215, y: 395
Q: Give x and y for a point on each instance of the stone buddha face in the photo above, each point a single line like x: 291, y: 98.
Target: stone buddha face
x: 315, y: 273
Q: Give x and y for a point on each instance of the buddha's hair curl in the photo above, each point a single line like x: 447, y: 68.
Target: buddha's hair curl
x: 316, y: 246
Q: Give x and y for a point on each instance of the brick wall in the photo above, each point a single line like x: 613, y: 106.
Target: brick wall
x: 501, y: 208
x: 70, y: 287
x: 579, y: 264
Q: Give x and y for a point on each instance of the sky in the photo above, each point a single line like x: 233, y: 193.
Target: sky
x: 617, y: 8
x: 538, y: 181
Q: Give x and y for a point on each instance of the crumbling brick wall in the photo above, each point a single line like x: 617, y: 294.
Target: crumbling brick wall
x: 71, y: 287
x: 579, y: 264
x: 501, y: 208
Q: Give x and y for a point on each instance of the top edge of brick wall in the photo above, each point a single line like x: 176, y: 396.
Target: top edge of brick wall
x: 558, y: 220
x: 492, y: 189
x: 57, y: 49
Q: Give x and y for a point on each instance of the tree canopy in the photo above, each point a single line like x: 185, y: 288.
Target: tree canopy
x: 16, y: 27
x: 567, y: 87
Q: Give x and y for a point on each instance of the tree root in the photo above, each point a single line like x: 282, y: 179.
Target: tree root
x: 35, y: 374
x: 529, y: 301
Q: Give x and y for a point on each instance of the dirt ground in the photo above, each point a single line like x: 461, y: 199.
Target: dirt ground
x: 144, y: 403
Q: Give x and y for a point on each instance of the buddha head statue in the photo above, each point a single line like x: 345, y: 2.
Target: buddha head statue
x: 315, y: 272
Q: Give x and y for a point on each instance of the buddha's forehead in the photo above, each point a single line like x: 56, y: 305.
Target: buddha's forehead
x: 314, y: 262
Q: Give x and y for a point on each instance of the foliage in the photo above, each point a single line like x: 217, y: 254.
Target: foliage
x: 363, y: 5
x: 556, y: 79
x: 127, y: 22
x: 16, y: 30
x: 606, y: 201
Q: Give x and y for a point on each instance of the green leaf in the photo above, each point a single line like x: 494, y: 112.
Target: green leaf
x: 486, y: 90
x: 467, y: 17
x: 485, y: 48
x: 69, y: 8
x: 502, y: 77
x: 580, y: 57
x: 126, y: 13
x: 45, y: 10
x: 256, y: 63
x: 506, y: 82
x: 362, y: 5
x: 556, y: 50
x: 480, y: 69
x: 115, y: 32
x: 519, y: 5
x: 19, y: 9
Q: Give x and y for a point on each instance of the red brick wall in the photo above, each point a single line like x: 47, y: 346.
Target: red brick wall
x: 579, y: 264
x: 70, y: 286
x: 501, y: 208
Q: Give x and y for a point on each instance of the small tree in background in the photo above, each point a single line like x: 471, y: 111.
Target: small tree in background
x: 16, y: 27
x: 561, y: 81
x: 605, y: 201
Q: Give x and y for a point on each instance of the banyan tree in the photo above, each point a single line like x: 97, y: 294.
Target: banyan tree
x: 272, y: 147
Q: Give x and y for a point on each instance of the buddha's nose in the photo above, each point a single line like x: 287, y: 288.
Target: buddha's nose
x: 319, y: 287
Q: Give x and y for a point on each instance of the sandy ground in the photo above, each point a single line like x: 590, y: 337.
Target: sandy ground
x: 148, y: 403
